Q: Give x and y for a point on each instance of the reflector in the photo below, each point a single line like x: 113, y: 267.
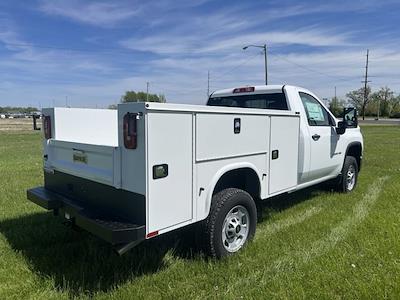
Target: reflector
x: 47, y: 127
x: 130, y: 131
x: 151, y: 234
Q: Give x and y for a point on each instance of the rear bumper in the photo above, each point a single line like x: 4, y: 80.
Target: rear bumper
x: 110, y: 229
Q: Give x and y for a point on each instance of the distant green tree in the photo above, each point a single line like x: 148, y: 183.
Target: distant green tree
x: 384, y: 101
x: 394, y: 106
x: 360, y: 99
x: 17, y: 109
x: 132, y: 96
x: 336, y: 106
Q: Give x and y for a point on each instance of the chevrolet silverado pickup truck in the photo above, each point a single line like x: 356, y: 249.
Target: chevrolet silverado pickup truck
x: 145, y: 169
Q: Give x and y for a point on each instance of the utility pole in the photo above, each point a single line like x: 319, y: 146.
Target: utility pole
x: 335, y: 92
x: 208, y: 84
x: 379, y: 107
x: 66, y: 101
x: 264, y: 47
x: 147, y: 91
x: 365, y: 85
x: 265, y: 63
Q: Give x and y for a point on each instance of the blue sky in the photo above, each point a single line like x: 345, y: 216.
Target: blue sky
x: 91, y: 52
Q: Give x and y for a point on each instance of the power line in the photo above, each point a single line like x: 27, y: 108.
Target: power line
x: 236, y: 67
x: 390, y: 55
x: 108, y: 50
x: 309, y: 69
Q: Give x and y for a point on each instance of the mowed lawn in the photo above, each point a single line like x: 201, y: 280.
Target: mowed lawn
x: 311, y: 244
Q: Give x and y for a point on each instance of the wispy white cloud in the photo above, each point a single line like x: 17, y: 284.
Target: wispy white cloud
x: 173, y: 47
x: 313, y: 37
x: 183, y: 43
x: 95, y: 13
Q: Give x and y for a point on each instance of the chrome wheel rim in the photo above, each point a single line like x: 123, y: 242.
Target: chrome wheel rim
x: 235, y: 228
x: 351, y: 177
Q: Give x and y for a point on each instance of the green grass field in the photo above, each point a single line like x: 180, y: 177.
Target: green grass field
x: 311, y: 244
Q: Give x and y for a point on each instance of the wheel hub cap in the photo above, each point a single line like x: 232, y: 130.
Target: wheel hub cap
x: 235, y: 228
x: 350, y: 178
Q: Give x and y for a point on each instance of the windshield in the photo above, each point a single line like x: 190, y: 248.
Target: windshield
x: 263, y: 101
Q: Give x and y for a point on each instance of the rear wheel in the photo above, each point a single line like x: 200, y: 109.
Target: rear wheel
x: 231, y: 222
x: 349, y: 175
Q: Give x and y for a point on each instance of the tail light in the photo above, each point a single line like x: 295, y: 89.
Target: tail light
x: 47, y: 127
x: 130, y: 131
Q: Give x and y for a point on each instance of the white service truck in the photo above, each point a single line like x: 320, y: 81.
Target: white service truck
x: 145, y: 169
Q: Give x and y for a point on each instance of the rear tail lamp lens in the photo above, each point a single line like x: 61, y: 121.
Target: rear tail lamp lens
x: 47, y: 127
x: 130, y: 131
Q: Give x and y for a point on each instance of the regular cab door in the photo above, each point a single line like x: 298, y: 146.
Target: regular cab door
x: 323, y: 138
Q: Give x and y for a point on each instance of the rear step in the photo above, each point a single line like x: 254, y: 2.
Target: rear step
x: 123, y: 235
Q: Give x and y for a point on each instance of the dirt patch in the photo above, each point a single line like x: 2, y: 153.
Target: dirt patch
x: 20, y: 124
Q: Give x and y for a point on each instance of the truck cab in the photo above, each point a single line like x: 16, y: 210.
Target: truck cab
x: 323, y: 144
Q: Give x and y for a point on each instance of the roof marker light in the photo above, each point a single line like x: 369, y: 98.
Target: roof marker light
x: 247, y: 89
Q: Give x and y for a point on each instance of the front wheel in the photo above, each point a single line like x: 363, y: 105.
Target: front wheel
x: 231, y: 223
x: 349, y: 175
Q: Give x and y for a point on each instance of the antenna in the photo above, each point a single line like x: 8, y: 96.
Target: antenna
x: 208, y: 84
x: 147, y: 91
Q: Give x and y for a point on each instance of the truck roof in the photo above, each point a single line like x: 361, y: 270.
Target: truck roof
x: 258, y: 89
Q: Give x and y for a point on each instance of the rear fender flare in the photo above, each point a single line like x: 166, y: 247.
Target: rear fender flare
x: 221, y: 172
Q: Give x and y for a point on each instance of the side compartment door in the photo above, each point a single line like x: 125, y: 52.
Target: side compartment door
x: 170, y: 169
x: 284, y: 152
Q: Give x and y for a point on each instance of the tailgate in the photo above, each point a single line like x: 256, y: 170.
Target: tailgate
x: 94, y: 162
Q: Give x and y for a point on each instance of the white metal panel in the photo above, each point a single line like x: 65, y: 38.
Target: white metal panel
x: 99, y: 165
x: 169, y: 142
x: 285, y: 139
x: 89, y: 126
x: 215, y: 137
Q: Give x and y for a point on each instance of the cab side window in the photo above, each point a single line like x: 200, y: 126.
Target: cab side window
x: 316, y: 113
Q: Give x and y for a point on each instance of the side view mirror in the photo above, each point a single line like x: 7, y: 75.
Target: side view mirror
x: 350, y: 117
x: 341, y: 128
x: 349, y: 120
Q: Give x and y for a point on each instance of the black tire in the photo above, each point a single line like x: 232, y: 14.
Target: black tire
x: 350, y: 166
x: 223, y: 203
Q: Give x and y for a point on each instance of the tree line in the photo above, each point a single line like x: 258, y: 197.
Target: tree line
x: 381, y: 103
x: 132, y: 96
x: 16, y: 109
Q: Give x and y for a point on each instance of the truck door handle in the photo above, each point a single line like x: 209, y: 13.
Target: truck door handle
x: 316, y: 137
